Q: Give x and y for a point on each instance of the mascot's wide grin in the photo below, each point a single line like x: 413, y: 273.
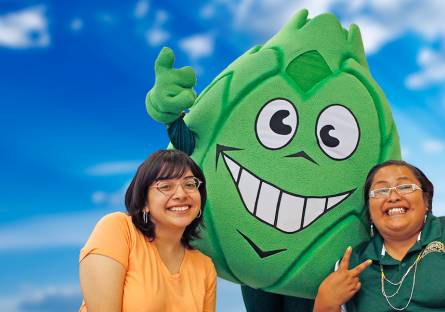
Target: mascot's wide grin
x: 285, y: 211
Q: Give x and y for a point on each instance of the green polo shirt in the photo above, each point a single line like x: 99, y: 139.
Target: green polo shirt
x: 429, y: 288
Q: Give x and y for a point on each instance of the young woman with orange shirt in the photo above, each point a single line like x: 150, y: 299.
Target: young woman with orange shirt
x: 142, y: 260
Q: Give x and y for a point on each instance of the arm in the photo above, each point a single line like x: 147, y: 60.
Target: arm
x: 173, y: 90
x: 181, y: 136
x: 102, y: 283
x: 339, y: 286
x: 171, y: 95
x: 103, y: 263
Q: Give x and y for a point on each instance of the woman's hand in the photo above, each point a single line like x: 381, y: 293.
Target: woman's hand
x: 339, y: 286
x: 102, y: 283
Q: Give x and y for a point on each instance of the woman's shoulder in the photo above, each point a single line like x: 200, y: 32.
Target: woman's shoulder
x: 115, y: 220
x: 115, y: 217
x: 442, y: 221
x: 442, y: 226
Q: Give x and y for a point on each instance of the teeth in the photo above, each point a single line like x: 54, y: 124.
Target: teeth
x: 396, y: 210
x: 284, y: 211
x: 179, y: 208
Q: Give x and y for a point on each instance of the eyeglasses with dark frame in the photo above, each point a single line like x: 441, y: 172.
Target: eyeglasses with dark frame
x: 168, y: 187
x: 401, y: 189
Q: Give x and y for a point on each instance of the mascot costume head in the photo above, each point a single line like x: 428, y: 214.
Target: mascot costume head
x: 286, y: 136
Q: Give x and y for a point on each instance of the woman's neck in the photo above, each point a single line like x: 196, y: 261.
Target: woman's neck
x: 170, y: 249
x: 398, y: 248
x: 168, y: 241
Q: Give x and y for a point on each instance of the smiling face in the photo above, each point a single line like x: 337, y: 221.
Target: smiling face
x: 289, y: 173
x: 397, y: 217
x: 174, y: 211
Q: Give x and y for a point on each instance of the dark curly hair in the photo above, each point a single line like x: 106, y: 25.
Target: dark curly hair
x: 161, y: 165
x: 425, y: 184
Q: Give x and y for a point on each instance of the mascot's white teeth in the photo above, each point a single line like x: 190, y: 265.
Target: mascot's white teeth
x: 284, y: 211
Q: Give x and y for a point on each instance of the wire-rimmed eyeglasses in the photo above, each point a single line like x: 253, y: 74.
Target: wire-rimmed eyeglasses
x: 168, y: 187
x: 401, y: 189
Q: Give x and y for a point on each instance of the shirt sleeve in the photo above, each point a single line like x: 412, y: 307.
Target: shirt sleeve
x: 181, y: 136
x: 210, y: 296
x: 112, y: 238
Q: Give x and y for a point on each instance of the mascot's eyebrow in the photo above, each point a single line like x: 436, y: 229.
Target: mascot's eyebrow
x: 222, y: 148
x: 308, y: 69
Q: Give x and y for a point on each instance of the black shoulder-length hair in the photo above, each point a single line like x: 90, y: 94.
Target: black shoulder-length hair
x: 425, y: 183
x: 161, y: 165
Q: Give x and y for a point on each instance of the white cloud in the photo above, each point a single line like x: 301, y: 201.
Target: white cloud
x: 76, y: 24
x: 433, y: 146
x: 156, y: 36
x: 198, y: 46
x: 53, y: 230
x: 207, y: 11
x: 49, y: 298
x: 374, y: 33
x: 396, y: 17
x: 113, y: 168
x: 265, y: 17
x: 25, y: 29
x: 432, y: 69
x: 141, y: 9
x: 111, y: 199
x: 380, y: 21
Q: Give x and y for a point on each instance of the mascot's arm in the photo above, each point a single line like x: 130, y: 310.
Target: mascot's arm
x: 172, y: 94
x: 173, y: 90
x: 180, y: 135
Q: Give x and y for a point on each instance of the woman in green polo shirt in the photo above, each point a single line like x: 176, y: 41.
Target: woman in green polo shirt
x: 403, y: 266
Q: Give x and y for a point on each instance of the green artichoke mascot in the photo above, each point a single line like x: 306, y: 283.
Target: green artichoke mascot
x: 285, y: 136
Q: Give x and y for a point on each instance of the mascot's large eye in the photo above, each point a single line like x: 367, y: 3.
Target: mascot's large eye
x: 276, y: 124
x: 338, y: 132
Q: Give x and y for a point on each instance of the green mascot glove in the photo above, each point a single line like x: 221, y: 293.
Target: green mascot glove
x: 173, y: 91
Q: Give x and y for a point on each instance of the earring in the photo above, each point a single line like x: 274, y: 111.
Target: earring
x: 144, y: 216
x: 372, y: 228
x: 424, y: 220
x: 199, y: 214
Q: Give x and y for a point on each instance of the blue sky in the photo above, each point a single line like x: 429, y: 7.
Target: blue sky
x: 74, y: 128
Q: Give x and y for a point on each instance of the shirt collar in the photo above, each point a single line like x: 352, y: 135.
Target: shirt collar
x: 384, y: 248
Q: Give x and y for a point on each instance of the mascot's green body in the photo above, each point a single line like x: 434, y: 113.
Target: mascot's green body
x: 286, y: 136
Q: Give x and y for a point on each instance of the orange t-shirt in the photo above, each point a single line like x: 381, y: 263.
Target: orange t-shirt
x: 148, y: 284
